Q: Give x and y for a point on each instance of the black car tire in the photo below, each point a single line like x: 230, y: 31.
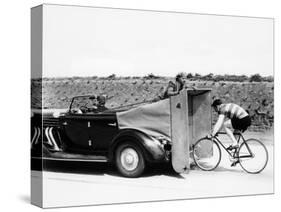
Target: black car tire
x: 129, y: 159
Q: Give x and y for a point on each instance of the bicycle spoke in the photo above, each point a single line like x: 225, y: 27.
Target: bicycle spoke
x: 206, y: 154
x: 253, y: 156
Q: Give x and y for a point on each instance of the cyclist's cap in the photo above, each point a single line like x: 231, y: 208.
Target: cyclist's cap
x: 216, y: 102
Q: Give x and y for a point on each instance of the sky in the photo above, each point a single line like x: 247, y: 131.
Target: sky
x: 86, y: 41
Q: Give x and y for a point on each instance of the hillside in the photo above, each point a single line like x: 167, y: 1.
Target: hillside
x: 256, y: 97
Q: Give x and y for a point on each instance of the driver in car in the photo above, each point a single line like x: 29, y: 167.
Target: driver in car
x: 101, y: 103
x: 89, y: 106
x: 94, y: 105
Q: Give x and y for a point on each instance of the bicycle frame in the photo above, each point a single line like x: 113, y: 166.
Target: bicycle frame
x: 240, y: 137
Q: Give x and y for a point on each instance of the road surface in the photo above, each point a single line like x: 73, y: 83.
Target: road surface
x: 70, y: 184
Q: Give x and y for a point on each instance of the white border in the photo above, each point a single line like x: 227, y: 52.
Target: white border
x: 15, y: 90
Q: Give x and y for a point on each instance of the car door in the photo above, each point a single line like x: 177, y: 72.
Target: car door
x: 76, y: 130
x: 103, y: 128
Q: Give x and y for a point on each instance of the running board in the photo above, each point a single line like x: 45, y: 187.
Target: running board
x: 62, y: 156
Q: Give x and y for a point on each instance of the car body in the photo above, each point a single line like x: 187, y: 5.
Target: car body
x: 87, y: 132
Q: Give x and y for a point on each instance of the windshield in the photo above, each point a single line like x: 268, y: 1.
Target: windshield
x: 83, y: 103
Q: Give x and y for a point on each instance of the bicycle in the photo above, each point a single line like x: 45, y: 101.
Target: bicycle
x: 251, y: 154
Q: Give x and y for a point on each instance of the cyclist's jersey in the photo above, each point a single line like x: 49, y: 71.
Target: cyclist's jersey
x: 231, y: 111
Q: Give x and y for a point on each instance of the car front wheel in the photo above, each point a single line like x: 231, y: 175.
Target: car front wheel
x: 129, y: 160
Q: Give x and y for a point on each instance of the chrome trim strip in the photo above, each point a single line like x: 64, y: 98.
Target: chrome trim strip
x: 69, y: 159
x: 38, y: 135
x: 56, y: 147
x: 47, y: 135
x: 34, y: 136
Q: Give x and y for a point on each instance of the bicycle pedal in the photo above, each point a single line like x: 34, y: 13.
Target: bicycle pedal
x: 234, y: 163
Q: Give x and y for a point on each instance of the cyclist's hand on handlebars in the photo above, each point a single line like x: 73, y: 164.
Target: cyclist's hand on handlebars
x: 209, y: 136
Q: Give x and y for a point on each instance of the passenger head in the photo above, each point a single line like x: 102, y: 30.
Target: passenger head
x: 171, y: 83
x: 216, y: 104
x: 101, y: 99
x: 94, y: 100
x: 179, y: 79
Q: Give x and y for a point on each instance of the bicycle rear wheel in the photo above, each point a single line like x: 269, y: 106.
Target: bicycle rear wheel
x: 206, y: 154
x: 253, y: 156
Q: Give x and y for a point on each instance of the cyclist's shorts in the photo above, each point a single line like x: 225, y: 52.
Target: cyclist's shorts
x: 241, y: 124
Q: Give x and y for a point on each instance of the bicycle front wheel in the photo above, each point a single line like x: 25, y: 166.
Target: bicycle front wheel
x: 253, y: 156
x: 206, y: 154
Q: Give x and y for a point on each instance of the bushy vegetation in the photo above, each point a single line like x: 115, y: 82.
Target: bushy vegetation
x: 245, y: 91
x: 229, y: 78
x: 189, y: 76
x: 152, y: 76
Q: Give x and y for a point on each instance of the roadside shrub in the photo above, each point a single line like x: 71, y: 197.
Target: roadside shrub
x: 255, y: 78
x: 208, y: 77
x: 189, y: 76
x: 197, y: 76
x: 151, y: 76
x: 269, y: 79
x: 136, y: 77
x: 111, y: 77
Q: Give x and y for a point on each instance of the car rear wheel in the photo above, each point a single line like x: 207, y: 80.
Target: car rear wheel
x: 129, y: 160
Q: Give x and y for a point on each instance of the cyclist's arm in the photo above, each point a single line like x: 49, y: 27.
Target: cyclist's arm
x: 219, y: 124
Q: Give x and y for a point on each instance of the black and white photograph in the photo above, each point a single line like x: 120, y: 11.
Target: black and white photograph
x: 133, y: 106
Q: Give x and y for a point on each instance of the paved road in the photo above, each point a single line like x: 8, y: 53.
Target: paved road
x: 68, y: 183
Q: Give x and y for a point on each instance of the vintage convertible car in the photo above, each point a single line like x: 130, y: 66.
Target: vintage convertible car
x: 86, y: 132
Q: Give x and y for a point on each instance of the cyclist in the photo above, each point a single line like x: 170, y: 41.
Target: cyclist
x: 230, y: 116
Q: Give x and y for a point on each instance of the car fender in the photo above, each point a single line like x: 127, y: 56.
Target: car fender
x: 151, y: 147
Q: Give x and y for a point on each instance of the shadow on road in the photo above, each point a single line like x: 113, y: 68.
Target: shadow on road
x: 91, y: 168
x: 220, y: 169
x: 230, y: 169
x: 161, y: 169
x: 94, y: 168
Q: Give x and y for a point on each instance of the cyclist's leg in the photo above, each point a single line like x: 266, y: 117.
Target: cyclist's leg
x: 227, y: 127
x: 236, y: 135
